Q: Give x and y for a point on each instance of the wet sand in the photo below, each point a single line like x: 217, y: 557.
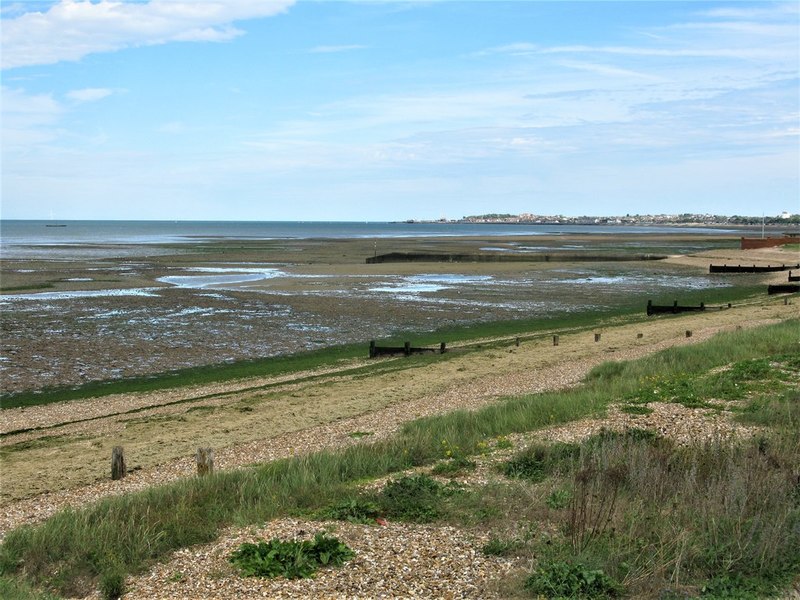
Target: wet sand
x: 118, y: 313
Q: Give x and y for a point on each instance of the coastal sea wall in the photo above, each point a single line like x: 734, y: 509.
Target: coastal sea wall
x: 403, y: 257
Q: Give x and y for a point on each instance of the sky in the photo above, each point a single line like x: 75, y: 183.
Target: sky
x: 379, y: 110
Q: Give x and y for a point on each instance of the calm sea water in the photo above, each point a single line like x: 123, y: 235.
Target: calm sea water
x: 26, y: 233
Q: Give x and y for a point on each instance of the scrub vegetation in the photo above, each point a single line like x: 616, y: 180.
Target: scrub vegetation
x: 618, y: 514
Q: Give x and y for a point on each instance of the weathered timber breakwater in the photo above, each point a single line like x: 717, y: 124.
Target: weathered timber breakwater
x: 786, y: 288
x: 406, y: 257
x: 675, y: 308
x: 750, y: 268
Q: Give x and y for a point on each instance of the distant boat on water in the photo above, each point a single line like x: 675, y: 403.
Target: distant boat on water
x: 55, y: 225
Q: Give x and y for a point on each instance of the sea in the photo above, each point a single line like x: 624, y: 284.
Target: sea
x: 38, y: 238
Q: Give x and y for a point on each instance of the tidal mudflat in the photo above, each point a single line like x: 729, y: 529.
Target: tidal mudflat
x: 96, y: 312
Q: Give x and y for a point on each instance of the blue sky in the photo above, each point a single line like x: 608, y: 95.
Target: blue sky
x: 380, y: 110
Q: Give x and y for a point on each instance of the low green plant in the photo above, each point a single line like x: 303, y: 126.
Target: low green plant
x: 291, y: 559
x: 558, y: 499
x: 781, y: 411
x: 112, y: 583
x: 501, y: 547
x: 352, y: 510
x: 636, y: 409
x: 538, y: 461
x: 454, y: 467
x: 415, y: 498
x: 737, y: 587
x: 503, y: 443
x: 561, y: 579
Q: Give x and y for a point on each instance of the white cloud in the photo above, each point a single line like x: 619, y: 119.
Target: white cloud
x: 28, y: 119
x: 73, y: 29
x: 89, y: 94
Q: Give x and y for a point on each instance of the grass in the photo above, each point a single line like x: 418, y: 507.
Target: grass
x: 677, y: 515
x: 27, y: 288
x: 652, y: 516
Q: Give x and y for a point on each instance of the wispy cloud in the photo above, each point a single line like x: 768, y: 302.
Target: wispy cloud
x: 334, y: 49
x: 89, y: 94
x: 72, y: 29
x: 742, y: 52
x: 772, y: 11
x: 608, y: 70
x: 517, y: 49
x: 28, y: 119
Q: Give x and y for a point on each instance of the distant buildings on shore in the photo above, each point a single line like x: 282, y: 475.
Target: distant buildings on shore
x: 683, y: 219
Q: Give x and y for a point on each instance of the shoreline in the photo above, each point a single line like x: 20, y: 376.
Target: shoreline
x: 112, y: 317
x: 240, y: 420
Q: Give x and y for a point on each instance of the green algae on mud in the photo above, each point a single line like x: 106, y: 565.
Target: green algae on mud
x: 342, y: 356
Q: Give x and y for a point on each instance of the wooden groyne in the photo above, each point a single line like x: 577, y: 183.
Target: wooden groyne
x: 783, y: 288
x: 405, y: 257
x: 750, y: 268
x: 675, y: 308
x: 793, y: 277
x: 406, y: 350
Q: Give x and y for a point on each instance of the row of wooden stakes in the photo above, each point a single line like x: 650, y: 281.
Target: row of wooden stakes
x: 204, y: 458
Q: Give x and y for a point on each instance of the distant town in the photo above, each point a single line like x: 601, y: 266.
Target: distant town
x: 783, y: 219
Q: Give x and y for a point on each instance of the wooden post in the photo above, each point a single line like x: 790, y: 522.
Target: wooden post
x: 205, y: 461
x: 372, y: 349
x: 117, y: 463
x: 688, y: 333
x: 596, y: 337
x: 442, y: 348
x: 555, y: 340
x: 517, y: 342
x: 639, y: 336
x: 407, y: 348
